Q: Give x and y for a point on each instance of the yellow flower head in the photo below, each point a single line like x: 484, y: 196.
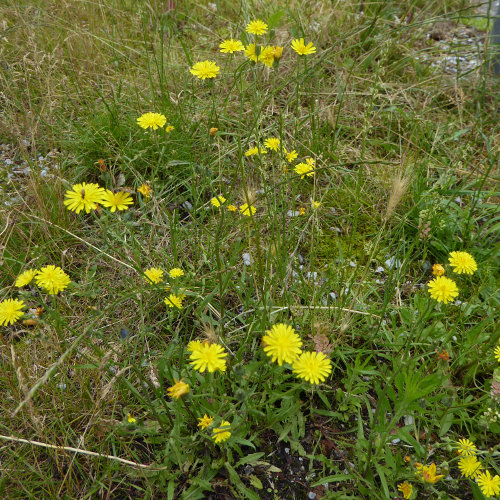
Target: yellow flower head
x: 466, y: 447
x: 213, y: 131
x: 53, y: 279
x: 255, y: 151
x: 256, y: 27
x: 443, y: 289
x: 428, y: 473
x: 208, y: 356
x: 154, y: 275
x: 406, y: 489
x: 217, y: 201
x: 230, y: 46
x: 470, y: 466
x: 11, y: 311
x: 266, y: 56
x: 205, y: 69
x: 176, y: 272
x: 437, y: 270
x: 83, y: 197
x: 462, y: 262
x: 222, y: 433
x: 272, y: 143
x: 151, y: 120
x: 291, y: 156
x: 232, y: 208
x: 169, y: 128
x: 145, y: 190
x: 282, y: 344
x: 205, y: 421
x: 305, y: 169
x: 250, y: 52
x: 131, y: 419
x: 316, y: 204
x: 301, y: 48
x: 116, y: 201
x: 194, y: 345
x: 178, y: 389
x: 174, y: 300
x: 497, y: 353
x: 490, y: 486
x: 278, y: 52
x: 247, y: 209
x: 25, y: 278
x: 313, y: 367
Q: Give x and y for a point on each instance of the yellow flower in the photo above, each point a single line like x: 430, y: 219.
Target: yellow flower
x: 437, y: 270
x: 256, y: 27
x: 278, y: 52
x: 194, y: 345
x: 145, y: 190
x: 174, y: 300
x: 282, y: 344
x: 466, y: 447
x: 151, y: 120
x: 25, y: 278
x: 83, y: 197
x: 247, y: 209
x: 205, y: 421
x: 443, y: 289
x: 176, y: 272
x: 116, y: 201
x: 222, y: 433
x: 53, y: 279
x: 266, y: 56
x: 131, y: 419
x: 217, y: 201
x: 490, y: 486
x: 272, y: 143
x: 230, y: 46
x: 205, y: 69
x: 250, y: 52
x: 255, y: 151
x: 169, y: 128
x: 497, y: 353
x: 208, y: 356
x: 313, y: 367
x: 306, y: 168
x: 11, y: 311
x: 232, y: 208
x: 316, y: 204
x: 406, y: 489
x: 213, y: 131
x: 469, y: 466
x: 178, y: 389
x: 428, y: 473
x: 291, y: 156
x: 462, y: 262
x: 154, y: 275
x: 301, y: 48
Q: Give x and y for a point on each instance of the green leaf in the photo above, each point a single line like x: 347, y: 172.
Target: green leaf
x: 336, y: 478
x: 274, y: 20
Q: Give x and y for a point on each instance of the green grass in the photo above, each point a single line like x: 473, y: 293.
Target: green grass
x: 406, y: 172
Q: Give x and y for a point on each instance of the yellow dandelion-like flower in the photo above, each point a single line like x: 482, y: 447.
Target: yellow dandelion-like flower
x: 437, y: 270
x: 282, y: 344
x: 217, y: 201
x: 316, y: 204
x: 116, y: 201
x: 194, y: 345
x: 230, y: 46
x: 145, y: 190
x: 11, y: 311
x: 314, y: 367
x: 209, y: 357
x: 83, y: 197
x: 497, y: 353
x: 151, y: 120
x: 131, y: 419
x: 232, y: 208
x: 256, y: 27
x: 222, y: 433
x: 278, y: 52
x: 301, y: 48
x: 154, y: 275
x: 462, y: 262
x: 255, y: 151
x: 25, y: 278
x: 176, y: 272
x: 205, y: 69
x: 291, y: 155
x: 490, y: 486
x: 251, y: 52
x: 169, y: 128
x: 304, y: 169
x: 53, y: 279
x: 406, y: 489
x: 470, y: 466
x: 443, y: 289
x: 428, y: 474
x: 272, y: 143
x: 174, y: 300
x: 266, y: 56
x: 466, y: 447
x: 178, y: 389
x: 247, y: 210
x: 205, y: 421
